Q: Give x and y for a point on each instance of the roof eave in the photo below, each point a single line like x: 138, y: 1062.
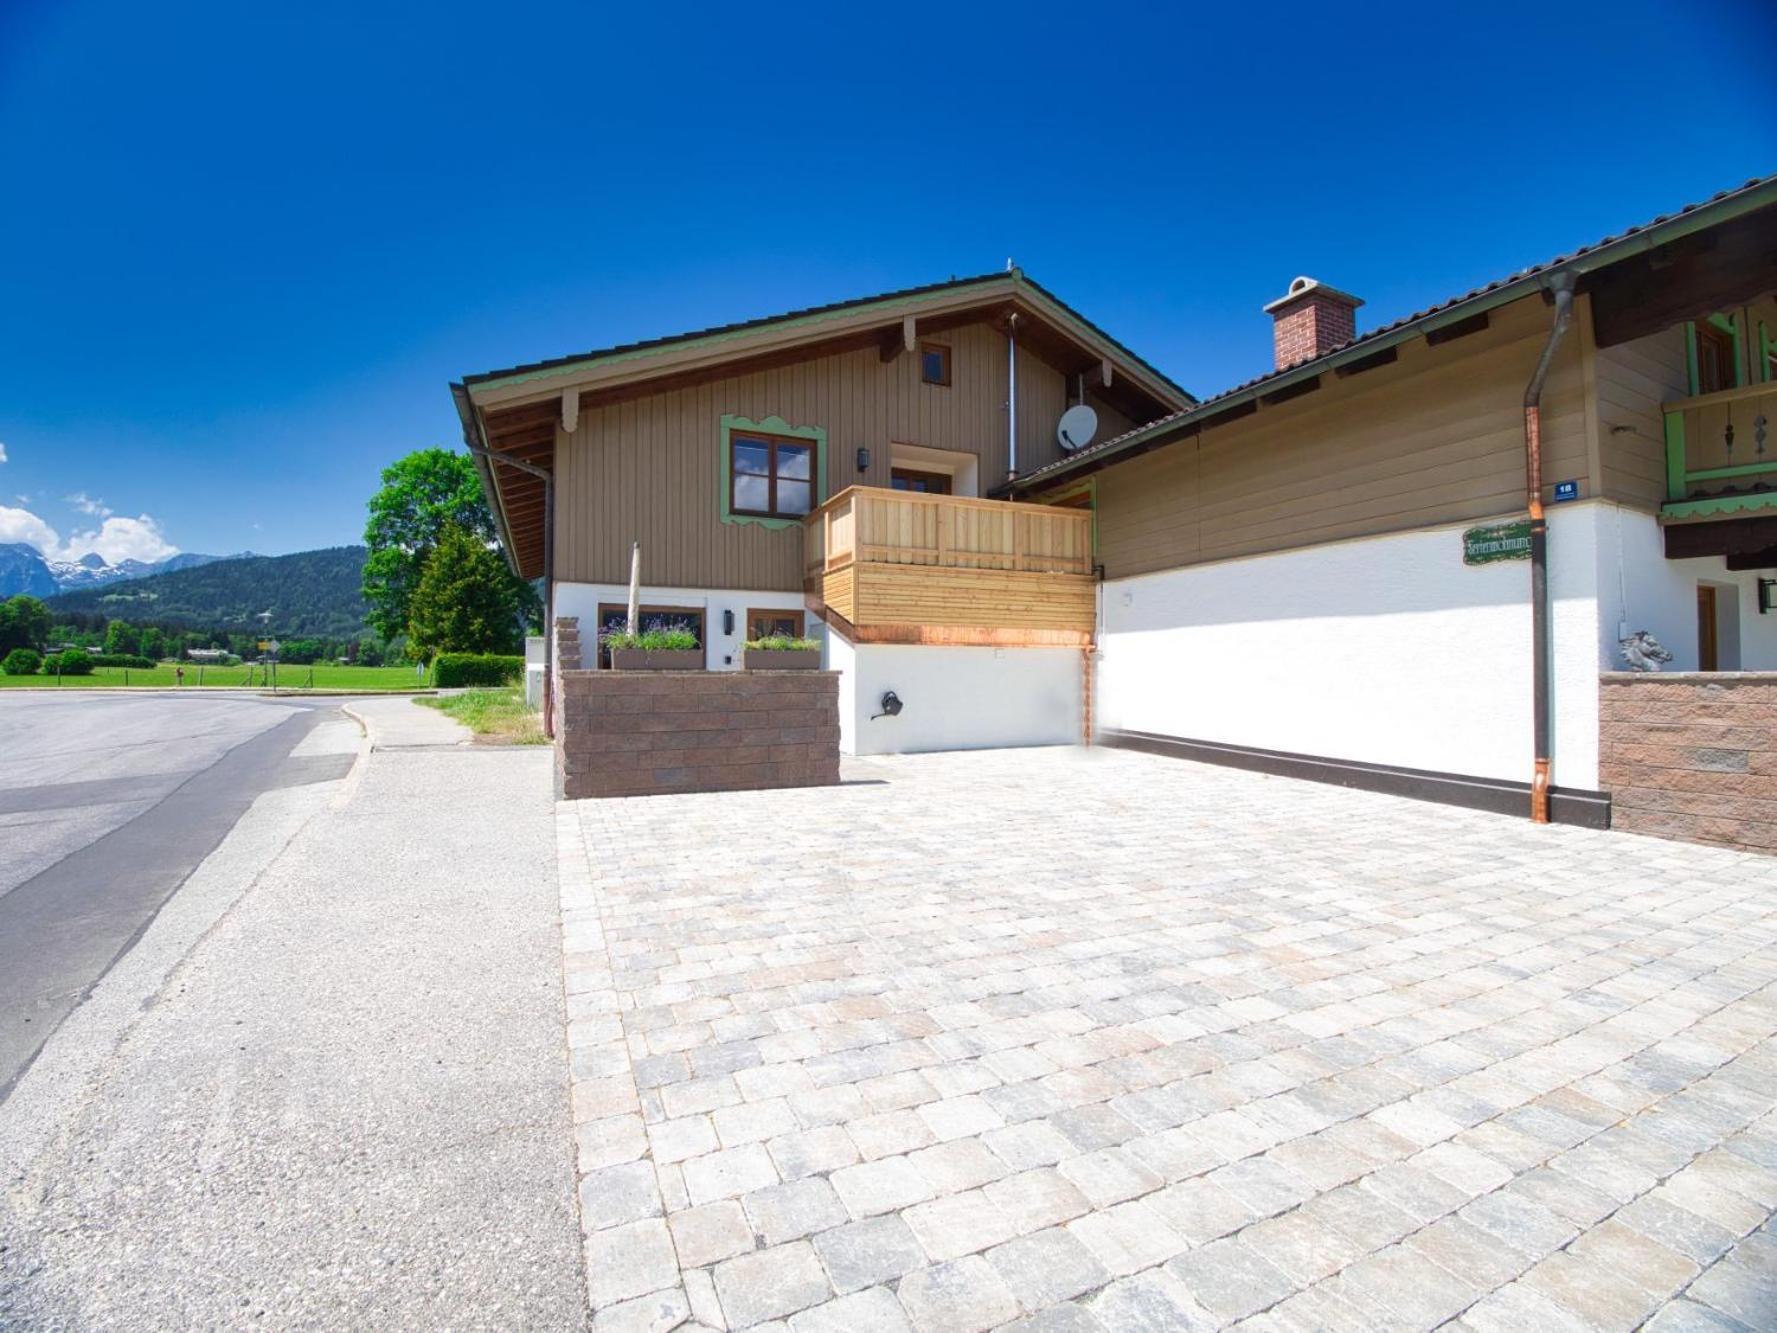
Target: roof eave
x: 475, y: 438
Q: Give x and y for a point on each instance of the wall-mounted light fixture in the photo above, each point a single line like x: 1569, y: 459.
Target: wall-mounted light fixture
x: 891, y: 705
x: 1767, y: 595
x: 728, y: 620
x: 863, y: 460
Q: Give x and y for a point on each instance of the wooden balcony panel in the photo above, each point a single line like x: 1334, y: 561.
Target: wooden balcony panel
x: 1701, y: 464
x: 911, y: 568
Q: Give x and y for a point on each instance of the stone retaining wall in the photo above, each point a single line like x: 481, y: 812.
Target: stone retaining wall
x: 1691, y: 755
x: 643, y: 733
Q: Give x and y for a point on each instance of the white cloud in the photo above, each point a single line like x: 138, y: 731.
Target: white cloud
x: 21, y: 525
x: 115, y: 539
x: 86, y: 504
x: 2, y: 452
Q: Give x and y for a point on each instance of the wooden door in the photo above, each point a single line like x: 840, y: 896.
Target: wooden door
x: 1707, y: 655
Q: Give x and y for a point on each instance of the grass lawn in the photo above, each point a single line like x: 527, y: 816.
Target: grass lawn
x: 498, y: 717
x: 319, y: 677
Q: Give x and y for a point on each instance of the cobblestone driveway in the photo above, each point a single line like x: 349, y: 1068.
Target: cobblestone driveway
x: 1056, y: 1041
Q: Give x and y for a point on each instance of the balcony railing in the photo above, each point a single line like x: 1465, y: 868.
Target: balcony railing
x: 1721, y: 452
x: 901, y: 566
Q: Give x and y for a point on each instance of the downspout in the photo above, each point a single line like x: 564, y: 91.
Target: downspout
x: 548, y: 479
x: 1012, y: 397
x: 1561, y: 285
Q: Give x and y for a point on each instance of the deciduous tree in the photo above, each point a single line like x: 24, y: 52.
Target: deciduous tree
x: 421, y: 495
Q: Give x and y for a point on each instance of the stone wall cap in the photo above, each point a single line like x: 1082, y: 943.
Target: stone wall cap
x: 1689, y: 677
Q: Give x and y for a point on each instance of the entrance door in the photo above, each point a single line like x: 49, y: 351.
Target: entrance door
x: 927, y: 483
x: 1708, y: 640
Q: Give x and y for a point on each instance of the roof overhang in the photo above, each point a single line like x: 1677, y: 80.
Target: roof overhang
x: 1658, y: 244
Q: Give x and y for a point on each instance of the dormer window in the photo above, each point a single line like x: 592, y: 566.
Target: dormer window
x: 934, y: 364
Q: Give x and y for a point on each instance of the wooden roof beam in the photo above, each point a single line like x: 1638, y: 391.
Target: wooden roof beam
x: 899, y: 340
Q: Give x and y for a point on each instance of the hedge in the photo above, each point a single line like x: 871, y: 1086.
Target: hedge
x: 453, y: 670
x: 22, y: 662
x: 121, y: 660
x: 73, y: 662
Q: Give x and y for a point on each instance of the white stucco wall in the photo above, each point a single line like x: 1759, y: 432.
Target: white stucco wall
x: 721, y: 650
x: 956, y: 698
x: 1647, y: 591
x: 1383, y: 650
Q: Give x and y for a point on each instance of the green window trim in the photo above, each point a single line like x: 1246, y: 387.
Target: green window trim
x: 1767, y: 353
x: 769, y: 426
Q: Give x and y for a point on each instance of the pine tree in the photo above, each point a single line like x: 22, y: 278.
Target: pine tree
x: 464, y: 600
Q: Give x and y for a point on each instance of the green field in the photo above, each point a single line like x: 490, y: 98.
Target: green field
x: 354, y: 678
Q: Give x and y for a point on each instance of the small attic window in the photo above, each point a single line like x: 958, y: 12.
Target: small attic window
x: 934, y: 363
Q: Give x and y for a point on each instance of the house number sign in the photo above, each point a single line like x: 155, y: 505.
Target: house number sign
x: 1496, y: 541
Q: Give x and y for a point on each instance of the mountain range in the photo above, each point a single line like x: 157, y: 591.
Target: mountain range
x: 309, y: 593
x: 25, y: 569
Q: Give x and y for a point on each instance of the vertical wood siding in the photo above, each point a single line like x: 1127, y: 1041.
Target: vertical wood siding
x: 650, y: 469
x: 1633, y: 379
x: 1436, y: 438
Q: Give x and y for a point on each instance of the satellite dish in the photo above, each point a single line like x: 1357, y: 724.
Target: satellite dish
x: 1077, y: 427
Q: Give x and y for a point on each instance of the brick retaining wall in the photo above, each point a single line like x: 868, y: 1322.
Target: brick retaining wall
x: 1691, y: 756
x: 643, y: 733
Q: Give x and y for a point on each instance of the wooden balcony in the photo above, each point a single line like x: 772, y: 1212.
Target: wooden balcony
x: 1721, y: 452
x: 897, y: 567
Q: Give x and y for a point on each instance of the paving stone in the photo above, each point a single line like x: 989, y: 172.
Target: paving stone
x: 962, y: 1164
x: 771, y: 1284
x: 1036, y: 1199
x: 889, y: 1134
x: 812, y: 1152
x: 1230, y: 1279
x: 1128, y: 1237
x: 1151, y: 1302
x: 753, y: 1122
x: 960, y: 1117
x: 791, y: 1211
x: 1200, y: 1210
x: 1110, y: 1176
x: 959, y: 1224
x: 728, y: 1174
x: 1047, y: 1267
x: 628, y: 1261
x: 873, y: 1311
x: 1070, y: 1317
x: 1406, y: 1282
x: 880, y: 1187
x: 613, y: 1195
x: 963, y: 1296
x: 869, y: 1253
x: 1599, y: 1297
x: 1301, y: 1247
x: 675, y: 1140
x: 711, y: 1233
x: 1745, y: 1290
x: 1638, y: 1258
x: 659, y: 1312
x: 1029, y: 1144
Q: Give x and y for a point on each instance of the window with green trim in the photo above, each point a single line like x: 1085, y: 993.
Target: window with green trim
x: 1715, y: 359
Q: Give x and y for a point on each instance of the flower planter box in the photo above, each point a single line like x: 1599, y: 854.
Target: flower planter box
x: 657, y: 659
x: 781, y: 659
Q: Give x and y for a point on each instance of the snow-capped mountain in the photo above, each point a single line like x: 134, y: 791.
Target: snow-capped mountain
x: 23, y: 569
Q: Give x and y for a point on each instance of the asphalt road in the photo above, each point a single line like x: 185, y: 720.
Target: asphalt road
x: 107, y: 803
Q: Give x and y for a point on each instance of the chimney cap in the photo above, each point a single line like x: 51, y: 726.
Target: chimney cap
x: 1303, y: 287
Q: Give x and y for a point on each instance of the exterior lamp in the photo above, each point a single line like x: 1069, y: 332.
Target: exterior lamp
x: 863, y: 460
x: 728, y: 620
x: 1767, y: 595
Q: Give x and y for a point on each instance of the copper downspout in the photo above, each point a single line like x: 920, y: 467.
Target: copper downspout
x: 1561, y: 285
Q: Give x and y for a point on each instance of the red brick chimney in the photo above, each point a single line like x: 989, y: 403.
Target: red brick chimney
x: 1310, y: 320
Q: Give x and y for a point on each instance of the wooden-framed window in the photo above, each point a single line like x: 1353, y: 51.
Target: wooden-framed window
x: 925, y: 483
x: 934, y: 364
x: 770, y: 475
x: 768, y: 622
x: 1715, y: 357
x: 613, y: 615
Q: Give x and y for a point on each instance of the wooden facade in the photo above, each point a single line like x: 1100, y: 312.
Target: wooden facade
x: 648, y: 469
x: 898, y: 567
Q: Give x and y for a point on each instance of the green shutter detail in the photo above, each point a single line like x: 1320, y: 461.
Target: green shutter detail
x: 1675, y: 455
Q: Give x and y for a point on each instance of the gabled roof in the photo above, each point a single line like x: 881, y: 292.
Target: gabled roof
x: 1754, y: 194
x: 1010, y: 282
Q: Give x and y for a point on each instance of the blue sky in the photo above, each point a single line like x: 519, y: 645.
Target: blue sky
x: 244, y: 248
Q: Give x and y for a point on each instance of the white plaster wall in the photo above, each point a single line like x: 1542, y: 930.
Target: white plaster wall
x: 721, y: 651
x: 956, y: 698
x: 1639, y: 588
x: 1383, y: 650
